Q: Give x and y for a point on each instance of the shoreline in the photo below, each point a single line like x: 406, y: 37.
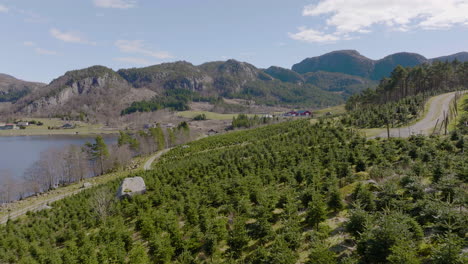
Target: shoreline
x: 61, y: 133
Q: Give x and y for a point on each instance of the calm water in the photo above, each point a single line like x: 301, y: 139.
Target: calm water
x: 18, y: 153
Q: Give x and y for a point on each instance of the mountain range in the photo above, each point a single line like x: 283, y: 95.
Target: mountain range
x: 315, y: 82
x: 353, y: 63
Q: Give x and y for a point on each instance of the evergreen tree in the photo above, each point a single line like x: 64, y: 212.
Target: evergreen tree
x: 98, y: 151
x: 317, y: 210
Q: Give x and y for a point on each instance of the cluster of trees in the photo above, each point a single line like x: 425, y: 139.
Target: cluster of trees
x: 13, y: 96
x: 284, y: 193
x: 401, y: 96
x: 244, y: 121
x: 393, y: 114
x: 63, y: 166
x: 199, y: 117
x: 155, y: 139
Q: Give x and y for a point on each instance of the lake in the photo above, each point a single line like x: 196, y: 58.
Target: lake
x: 18, y: 153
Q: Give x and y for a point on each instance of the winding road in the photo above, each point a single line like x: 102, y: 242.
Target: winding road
x: 437, y: 106
x: 150, y: 161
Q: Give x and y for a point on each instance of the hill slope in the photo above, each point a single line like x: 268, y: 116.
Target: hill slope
x: 268, y: 195
x: 344, y: 61
x: 94, y: 91
x: 11, y: 89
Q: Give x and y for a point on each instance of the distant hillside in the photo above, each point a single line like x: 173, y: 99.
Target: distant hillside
x: 100, y: 92
x: 343, y: 61
x: 353, y: 63
x: 284, y: 75
x: 338, y: 82
x: 461, y: 56
x: 11, y: 89
x: 94, y: 91
x: 383, y: 67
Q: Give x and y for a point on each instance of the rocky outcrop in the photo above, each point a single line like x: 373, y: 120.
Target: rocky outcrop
x: 131, y: 187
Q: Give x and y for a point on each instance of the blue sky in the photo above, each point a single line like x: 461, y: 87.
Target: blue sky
x: 40, y: 40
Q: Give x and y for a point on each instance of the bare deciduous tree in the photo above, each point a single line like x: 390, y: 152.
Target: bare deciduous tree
x: 101, y: 203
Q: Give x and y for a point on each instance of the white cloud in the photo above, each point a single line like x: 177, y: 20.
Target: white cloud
x: 310, y: 35
x: 45, y: 51
x: 72, y: 37
x: 138, y: 47
x: 345, y: 17
x: 121, y: 4
x: 3, y: 9
x: 39, y: 50
x: 134, y: 60
x: 29, y: 44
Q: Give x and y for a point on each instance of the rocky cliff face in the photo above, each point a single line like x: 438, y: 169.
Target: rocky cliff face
x: 178, y: 75
x: 93, y: 91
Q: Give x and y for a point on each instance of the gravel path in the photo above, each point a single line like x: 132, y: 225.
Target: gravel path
x: 150, y: 161
x: 438, y: 105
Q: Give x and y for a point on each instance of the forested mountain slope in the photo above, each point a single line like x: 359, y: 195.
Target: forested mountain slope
x: 286, y: 193
x: 353, y: 63
x: 11, y: 89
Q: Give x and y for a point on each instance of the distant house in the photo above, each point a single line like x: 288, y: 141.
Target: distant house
x: 291, y: 113
x: 24, y: 124
x: 299, y: 113
x: 304, y: 113
x: 267, y: 116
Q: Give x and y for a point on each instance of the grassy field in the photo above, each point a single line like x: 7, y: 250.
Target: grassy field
x: 81, y: 128
x: 209, y: 115
x: 339, y: 109
x: 335, y: 110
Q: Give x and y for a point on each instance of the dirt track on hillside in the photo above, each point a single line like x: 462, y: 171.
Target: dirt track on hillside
x: 437, y: 107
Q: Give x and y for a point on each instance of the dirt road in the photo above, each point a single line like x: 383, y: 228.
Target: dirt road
x: 150, y: 161
x: 437, y: 106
